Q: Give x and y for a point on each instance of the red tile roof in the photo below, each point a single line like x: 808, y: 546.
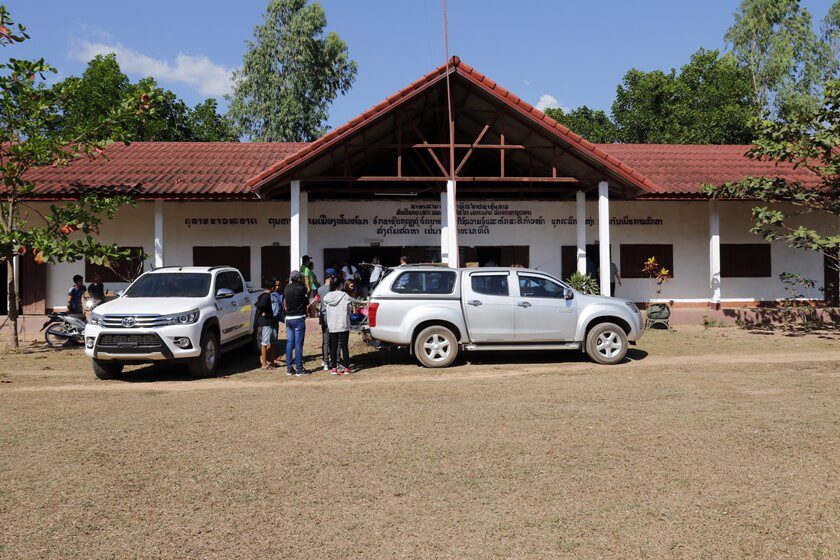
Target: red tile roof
x: 574, y: 141
x: 192, y: 170
x: 680, y: 170
x: 229, y: 170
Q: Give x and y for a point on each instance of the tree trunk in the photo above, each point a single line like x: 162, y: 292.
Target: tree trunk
x: 13, y: 299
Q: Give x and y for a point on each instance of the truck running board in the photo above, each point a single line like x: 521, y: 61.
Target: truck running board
x: 543, y: 346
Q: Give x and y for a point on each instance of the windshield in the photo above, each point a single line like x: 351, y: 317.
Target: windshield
x: 182, y: 284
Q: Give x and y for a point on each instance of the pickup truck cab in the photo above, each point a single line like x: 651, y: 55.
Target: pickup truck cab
x: 180, y: 314
x: 438, y: 311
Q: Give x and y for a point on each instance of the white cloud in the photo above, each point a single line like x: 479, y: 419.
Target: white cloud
x: 548, y: 101
x: 209, y: 78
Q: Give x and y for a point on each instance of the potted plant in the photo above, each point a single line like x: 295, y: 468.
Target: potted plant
x: 657, y: 313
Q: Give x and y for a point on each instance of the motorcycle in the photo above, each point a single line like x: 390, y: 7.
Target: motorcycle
x: 62, y: 330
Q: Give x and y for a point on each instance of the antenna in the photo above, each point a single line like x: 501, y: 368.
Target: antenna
x: 449, y: 99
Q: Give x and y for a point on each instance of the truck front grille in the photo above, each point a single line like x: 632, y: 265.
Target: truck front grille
x: 133, y: 321
x: 147, y: 341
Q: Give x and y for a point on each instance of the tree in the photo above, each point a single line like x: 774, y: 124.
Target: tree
x: 30, y: 137
x: 707, y: 102
x: 103, y: 85
x: 809, y: 141
x: 592, y: 124
x: 831, y: 40
x: 206, y: 124
x: 775, y: 41
x: 290, y: 75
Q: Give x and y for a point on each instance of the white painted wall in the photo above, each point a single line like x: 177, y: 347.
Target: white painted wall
x: 544, y: 226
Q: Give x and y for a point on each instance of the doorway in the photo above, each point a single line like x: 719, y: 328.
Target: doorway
x: 274, y: 263
x: 496, y: 255
x: 32, y: 285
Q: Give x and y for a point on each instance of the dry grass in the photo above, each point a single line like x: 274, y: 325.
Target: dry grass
x: 707, y: 444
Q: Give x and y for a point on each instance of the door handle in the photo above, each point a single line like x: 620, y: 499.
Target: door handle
x: 523, y: 304
x: 233, y: 303
x: 474, y: 302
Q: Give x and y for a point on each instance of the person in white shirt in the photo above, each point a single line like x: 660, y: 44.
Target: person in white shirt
x: 375, y: 273
x: 349, y: 272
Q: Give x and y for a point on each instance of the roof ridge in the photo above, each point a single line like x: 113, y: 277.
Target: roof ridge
x: 459, y: 67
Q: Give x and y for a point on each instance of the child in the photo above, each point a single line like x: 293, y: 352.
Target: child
x: 267, y: 326
x: 337, y: 304
x: 75, y: 295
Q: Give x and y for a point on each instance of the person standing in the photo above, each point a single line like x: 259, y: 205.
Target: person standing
x: 277, y: 309
x: 330, y: 276
x: 614, y: 277
x: 349, y: 272
x: 338, y: 304
x: 267, y: 326
x: 403, y: 260
x: 295, y: 301
x: 75, y: 295
x: 310, y: 281
x: 277, y: 301
x: 375, y: 274
x: 96, y: 290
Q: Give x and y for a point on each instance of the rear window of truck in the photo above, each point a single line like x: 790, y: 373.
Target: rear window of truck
x: 425, y: 282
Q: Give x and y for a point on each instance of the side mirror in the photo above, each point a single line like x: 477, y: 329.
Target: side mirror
x: 119, y: 293
x: 224, y: 293
x: 568, y: 293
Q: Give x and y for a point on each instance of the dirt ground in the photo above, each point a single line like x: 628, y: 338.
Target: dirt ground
x: 718, y: 443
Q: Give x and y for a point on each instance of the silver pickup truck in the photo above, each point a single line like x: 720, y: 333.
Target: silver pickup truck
x: 437, y: 312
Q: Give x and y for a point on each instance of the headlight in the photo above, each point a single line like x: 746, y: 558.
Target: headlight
x: 632, y: 306
x: 95, y: 319
x: 186, y: 318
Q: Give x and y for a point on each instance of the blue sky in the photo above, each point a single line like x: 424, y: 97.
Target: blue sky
x: 575, y: 52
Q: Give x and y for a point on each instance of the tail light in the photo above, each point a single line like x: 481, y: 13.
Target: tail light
x: 372, y: 309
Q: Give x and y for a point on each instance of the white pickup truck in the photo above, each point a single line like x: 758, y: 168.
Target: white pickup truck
x: 437, y: 311
x: 184, y: 314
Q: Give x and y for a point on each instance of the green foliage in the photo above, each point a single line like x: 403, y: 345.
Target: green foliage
x: 707, y: 102
x: 31, y: 136
x: 584, y: 283
x: 290, y: 75
x: 206, y: 124
x: 811, y: 141
x: 592, y: 124
x: 103, y: 85
x: 775, y: 42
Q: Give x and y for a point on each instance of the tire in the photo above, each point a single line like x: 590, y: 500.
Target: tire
x: 205, y: 364
x: 435, y: 347
x: 606, y: 343
x: 107, y: 370
x: 55, y: 337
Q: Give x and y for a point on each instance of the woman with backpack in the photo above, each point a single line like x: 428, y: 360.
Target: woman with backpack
x: 337, y: 305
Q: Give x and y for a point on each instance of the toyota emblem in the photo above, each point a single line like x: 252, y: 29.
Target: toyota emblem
x: 128, y: 322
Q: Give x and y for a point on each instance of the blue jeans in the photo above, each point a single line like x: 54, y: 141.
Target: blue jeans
x: 295, y: 331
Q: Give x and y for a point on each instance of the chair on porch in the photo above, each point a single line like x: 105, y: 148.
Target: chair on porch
x: 658, y: 314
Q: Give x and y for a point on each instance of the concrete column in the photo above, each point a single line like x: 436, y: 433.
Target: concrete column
x: 158, y: 233
x: 714, y: 251
x: 444, y: 229
x: 452, y: 225
x: 604, y: 236
x: 12, y: 304
x: 299, y: 224
x: 580, y: 205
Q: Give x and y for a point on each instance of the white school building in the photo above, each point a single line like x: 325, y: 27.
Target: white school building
x: 526, y: 192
